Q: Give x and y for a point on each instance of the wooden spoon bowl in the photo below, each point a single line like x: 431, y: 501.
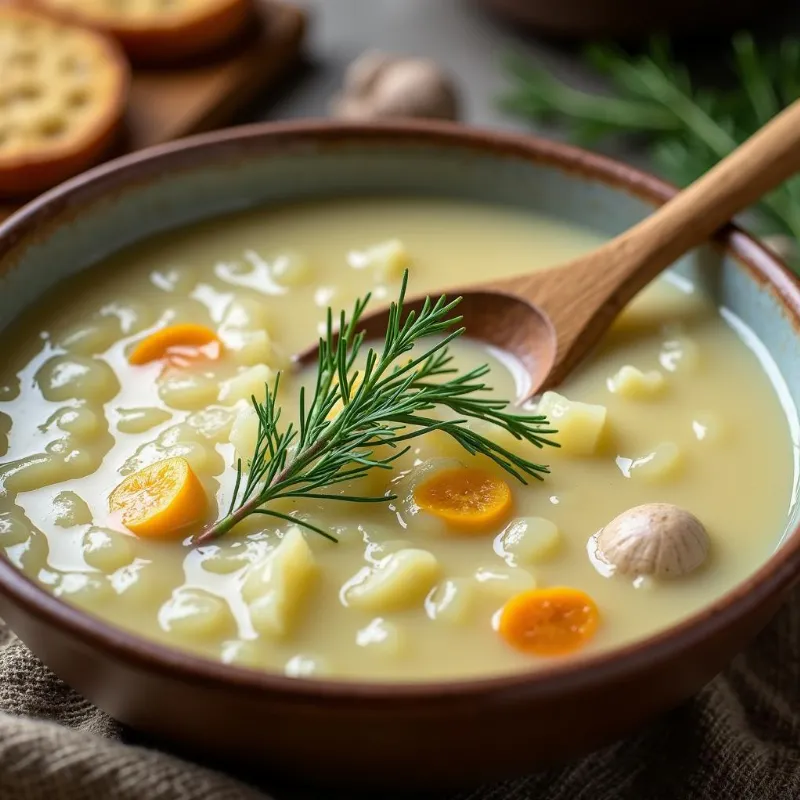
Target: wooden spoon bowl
x: 551, y: 319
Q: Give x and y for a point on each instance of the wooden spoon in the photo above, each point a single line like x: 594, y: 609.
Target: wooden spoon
x: 552, y: 318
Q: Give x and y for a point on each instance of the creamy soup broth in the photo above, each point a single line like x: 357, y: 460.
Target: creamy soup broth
x: 77, y: 418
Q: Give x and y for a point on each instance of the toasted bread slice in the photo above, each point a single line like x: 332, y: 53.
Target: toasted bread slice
x: 63, y: 93
x: 159, y: 31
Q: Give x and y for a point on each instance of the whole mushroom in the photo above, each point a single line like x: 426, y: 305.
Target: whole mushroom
x: 657, y: 539
x: 381, y: 86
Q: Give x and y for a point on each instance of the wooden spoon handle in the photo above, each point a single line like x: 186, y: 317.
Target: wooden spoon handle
x: 759, y: 165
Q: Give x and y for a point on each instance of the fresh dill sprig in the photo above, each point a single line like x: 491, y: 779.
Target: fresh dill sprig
x: 383, y: 405
x: 688, y: 128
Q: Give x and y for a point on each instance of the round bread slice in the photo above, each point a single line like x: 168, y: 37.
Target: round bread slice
x: 63, y: 92
x: 159, y: 31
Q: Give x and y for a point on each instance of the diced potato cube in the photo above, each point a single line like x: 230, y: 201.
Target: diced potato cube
x: 203, y: 460
x: 503, y: 582
x: 399, y: 581
x: 145, y: 584
x: 14, y: 528
x: 69, y: 509
x: 107, y: 550
x: 244, y: 432
x: 451, y: 601
x: 195, y: 613
x: 251, y: 383
x: 187, y: 391
x: 32, y: 472
x: 212, y: 423
x: 227, y: 558
x: 633, y: 384
x: 579, y: 425
x: 84, y: 588
x: 386, y: 260
x: 74, y: 377
x: 381, y: 637
x: 30, y: 555
x: 276, y: 587
x: 248, y: 347
x: 91, y: 338
x: 527, y: 540
x: 182, y: 432
x: 659, y: 466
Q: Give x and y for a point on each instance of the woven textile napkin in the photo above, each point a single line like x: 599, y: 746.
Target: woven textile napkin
x: 738, y: 739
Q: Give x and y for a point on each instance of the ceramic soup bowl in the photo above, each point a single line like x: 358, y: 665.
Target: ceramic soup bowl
x: 371, y: 733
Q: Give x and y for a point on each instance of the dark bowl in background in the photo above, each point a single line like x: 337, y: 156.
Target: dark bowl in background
x: 632, y: 18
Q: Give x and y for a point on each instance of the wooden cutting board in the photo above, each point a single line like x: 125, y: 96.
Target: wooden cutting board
x: 168, y: 104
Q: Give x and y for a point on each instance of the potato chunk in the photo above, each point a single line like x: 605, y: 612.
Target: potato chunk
x: 212, y: 423
x: 633, y: 384
x: 195, y: 613
x: 503, y: 582
x: 250, y: 348
x: 658, y: 466
x: 401, y: 580
x: 92, y: 337
x: 244, y: 432
x: 527, y: 540
x: 251, y: 383
x: 107, y: 550
x: 579, y: 425
x: 277, y: 586
x: 386, y: 260
x: 187, y: 391
x: 451, y: 601
x: 69, y: 509
x: 75, y: 377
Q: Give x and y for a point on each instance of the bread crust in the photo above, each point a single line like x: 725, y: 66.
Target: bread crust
x: 169, y: 35
x: 69, y: 123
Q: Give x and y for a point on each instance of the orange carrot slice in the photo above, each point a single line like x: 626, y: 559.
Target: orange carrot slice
x: 160, y: 500
x: 465, y: 498
x: 549, y: 622
x: 185, y: 338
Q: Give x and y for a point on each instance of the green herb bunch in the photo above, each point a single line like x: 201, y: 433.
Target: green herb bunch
x: 383, y: 405
x: 688, y: 128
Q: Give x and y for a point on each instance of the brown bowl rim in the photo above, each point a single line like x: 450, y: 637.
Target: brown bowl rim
x: 775, y: 576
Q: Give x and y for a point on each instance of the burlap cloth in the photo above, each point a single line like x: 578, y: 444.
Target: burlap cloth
x: 739, y: 738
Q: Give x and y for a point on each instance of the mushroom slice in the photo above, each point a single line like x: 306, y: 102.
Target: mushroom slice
x: 656, y: 539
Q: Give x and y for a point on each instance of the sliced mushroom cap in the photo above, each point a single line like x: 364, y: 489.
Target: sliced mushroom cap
x: 656, y: 539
